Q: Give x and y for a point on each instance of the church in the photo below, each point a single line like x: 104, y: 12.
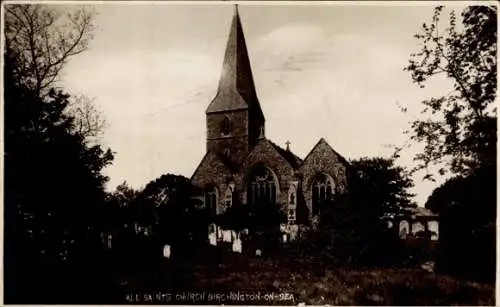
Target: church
x: 242, y: 166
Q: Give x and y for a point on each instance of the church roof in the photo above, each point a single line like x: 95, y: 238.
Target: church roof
x: 293, y: 159
x: 323, y: 142
x: 236, y: 86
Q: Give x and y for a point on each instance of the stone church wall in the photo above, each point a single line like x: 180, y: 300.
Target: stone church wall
x: 236, y: 141
x: 211, y: 171
x: 267, y: 155
x: 324, y: 160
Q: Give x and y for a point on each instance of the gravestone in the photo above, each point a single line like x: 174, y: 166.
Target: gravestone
x: 212, y: 238
x: 237, y: 246
x: 110, y: 240
x: 166, y: 251
x: 219, y: 233
x: 227, y: 236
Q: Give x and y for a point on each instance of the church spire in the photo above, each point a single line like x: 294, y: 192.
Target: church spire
x: 236, y: 87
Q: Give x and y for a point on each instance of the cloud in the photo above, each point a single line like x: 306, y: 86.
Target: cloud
x: 152, y: 99
x: 312, y: 82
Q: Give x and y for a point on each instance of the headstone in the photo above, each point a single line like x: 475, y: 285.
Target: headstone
x: 428, y: 266
x: 285, y: 237
x: 212, y: 238
x: 219, y: 233
x: 166, y: 251
x: 226, y: 235
x: 110, y: 238
x: 237, y: 246
x: 258, y: 252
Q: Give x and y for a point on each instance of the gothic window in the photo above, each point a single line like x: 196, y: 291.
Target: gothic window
x: 211, y: 199
x: 228, y: 197
x: 292, y: 206
x: 261, y: 187
x: 292, y: 216
x: 322, y: 190
x: 227, y: 152
x: 225, y: 126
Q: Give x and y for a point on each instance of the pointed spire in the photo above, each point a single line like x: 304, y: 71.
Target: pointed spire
x: 236, y: 87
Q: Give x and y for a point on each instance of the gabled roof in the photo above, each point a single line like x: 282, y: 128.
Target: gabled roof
x: 289, y: 156
x: 322, y: 141
x: 230, y: 167
x: 236, y: 86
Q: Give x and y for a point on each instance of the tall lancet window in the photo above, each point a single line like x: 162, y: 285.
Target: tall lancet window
x: 225, y: 126
x: 261, y: 187
x: 322, y: 190
x: 229, y: 196
x: 211, y: 197
x: 292, y: 205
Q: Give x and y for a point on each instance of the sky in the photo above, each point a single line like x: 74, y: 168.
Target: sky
x: 324, y: 70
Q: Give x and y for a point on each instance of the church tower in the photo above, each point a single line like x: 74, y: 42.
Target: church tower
x: 235, y: 120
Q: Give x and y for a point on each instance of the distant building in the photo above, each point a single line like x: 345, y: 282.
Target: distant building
x: 242, y: 166
x: 415, y: 223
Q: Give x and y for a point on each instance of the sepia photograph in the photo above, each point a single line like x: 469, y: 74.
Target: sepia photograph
x: 284, y: 153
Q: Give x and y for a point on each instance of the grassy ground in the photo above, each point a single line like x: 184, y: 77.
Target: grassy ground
x: 216, y: 277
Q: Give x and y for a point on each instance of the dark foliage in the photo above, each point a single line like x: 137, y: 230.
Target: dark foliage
x: 262, y: 221
x: 467, y: 208
x: 351, y: 230
x: 380, y: 186
x: 54, y: 188
x: 163, y: 213
x: 459, y: 134
x: 459, y: 128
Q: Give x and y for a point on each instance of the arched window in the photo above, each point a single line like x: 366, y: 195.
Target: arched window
x: 211, y: 199
x: 229, y: 196
x: 225, y: 126
x: 292, y: 205
x: 261, y: 187
x: 417, y: 227
x: 322, y: 190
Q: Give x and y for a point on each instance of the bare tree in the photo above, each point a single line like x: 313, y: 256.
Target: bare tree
x: 89, y: 121
x: 42, y: 38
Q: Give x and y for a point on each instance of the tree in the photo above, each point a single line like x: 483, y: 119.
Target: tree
x: 117, y: 213
x: 351, y: 229
x: 89, y: 120
x: 54, y: 186
x: 381, y: 186
x: 43, y: 39
x: 165, y: 207
x: 123, y: 194
x: 459, y: 130
x: 467, y: 209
